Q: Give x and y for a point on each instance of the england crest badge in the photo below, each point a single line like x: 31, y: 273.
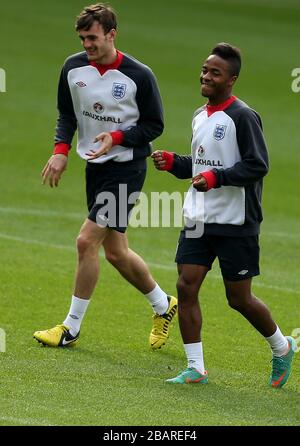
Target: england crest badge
x: 118, y: 90
x: 219, y: 131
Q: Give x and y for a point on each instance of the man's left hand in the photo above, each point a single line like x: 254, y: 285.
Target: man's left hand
x: 106, y: 145
x: 200, y: 183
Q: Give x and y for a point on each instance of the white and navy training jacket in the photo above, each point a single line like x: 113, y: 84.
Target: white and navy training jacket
x: 125, y: 98
x: 228, y: 140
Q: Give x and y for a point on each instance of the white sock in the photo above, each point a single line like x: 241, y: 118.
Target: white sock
x: 278, y: 343
x: 158, y: 299
x: 194, y: 354
x: 77, y: 311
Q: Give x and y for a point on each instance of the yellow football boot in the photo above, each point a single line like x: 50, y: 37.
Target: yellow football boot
x: 58, y: 336
x: 161, y: 324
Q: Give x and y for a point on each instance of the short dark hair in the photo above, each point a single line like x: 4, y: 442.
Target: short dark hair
x: 231, y: 54
x: 101, y: 13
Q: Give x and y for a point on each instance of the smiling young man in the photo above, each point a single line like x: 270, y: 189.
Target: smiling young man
x: 229, y: 159
x: 114, y: 102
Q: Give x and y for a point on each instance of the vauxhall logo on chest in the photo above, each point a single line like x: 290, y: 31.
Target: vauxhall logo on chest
x: 200, y: 154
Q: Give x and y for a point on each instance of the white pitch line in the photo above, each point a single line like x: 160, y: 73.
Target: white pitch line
x: 266, y: 233
x: 151, y: 264
x: 277, y: 288
x: 82, y: 216
x: 217, y: 277
x: 35, y: 242
x: 41, y: 212
x: 26, y: 421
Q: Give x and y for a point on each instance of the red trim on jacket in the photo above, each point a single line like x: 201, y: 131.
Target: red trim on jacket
x: 220, y: 107
x: 169, y: 158
x: 61, y: 148
x: 117, y: 137
x: 211, y: 179
x: 113, y: 66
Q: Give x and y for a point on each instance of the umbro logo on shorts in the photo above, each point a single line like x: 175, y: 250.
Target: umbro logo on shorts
x: 243, y: 272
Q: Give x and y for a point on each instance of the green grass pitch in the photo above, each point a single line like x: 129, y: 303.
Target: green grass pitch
x: 112, y: 378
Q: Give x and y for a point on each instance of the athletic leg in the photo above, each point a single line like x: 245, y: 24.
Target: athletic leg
x: 190, y: 322
x: 129, y: 264
x: 133, y: 268
x: 189, y: 311
x: 89, y: 240
x: 241, y: 299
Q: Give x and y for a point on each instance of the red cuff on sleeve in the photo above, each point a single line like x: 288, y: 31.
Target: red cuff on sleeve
x: 211, y: 179
x: 117, y: 137
x: 169, y: 158
x: 61, y: 148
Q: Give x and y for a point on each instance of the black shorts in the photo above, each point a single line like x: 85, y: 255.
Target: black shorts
x: 112, y: 190
x: 238, y: 256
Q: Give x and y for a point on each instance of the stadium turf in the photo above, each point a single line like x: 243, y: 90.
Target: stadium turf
x: 112, y: 378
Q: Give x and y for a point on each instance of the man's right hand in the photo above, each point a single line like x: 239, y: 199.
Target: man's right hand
x: 54, y: 168
x: 163, y: 160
